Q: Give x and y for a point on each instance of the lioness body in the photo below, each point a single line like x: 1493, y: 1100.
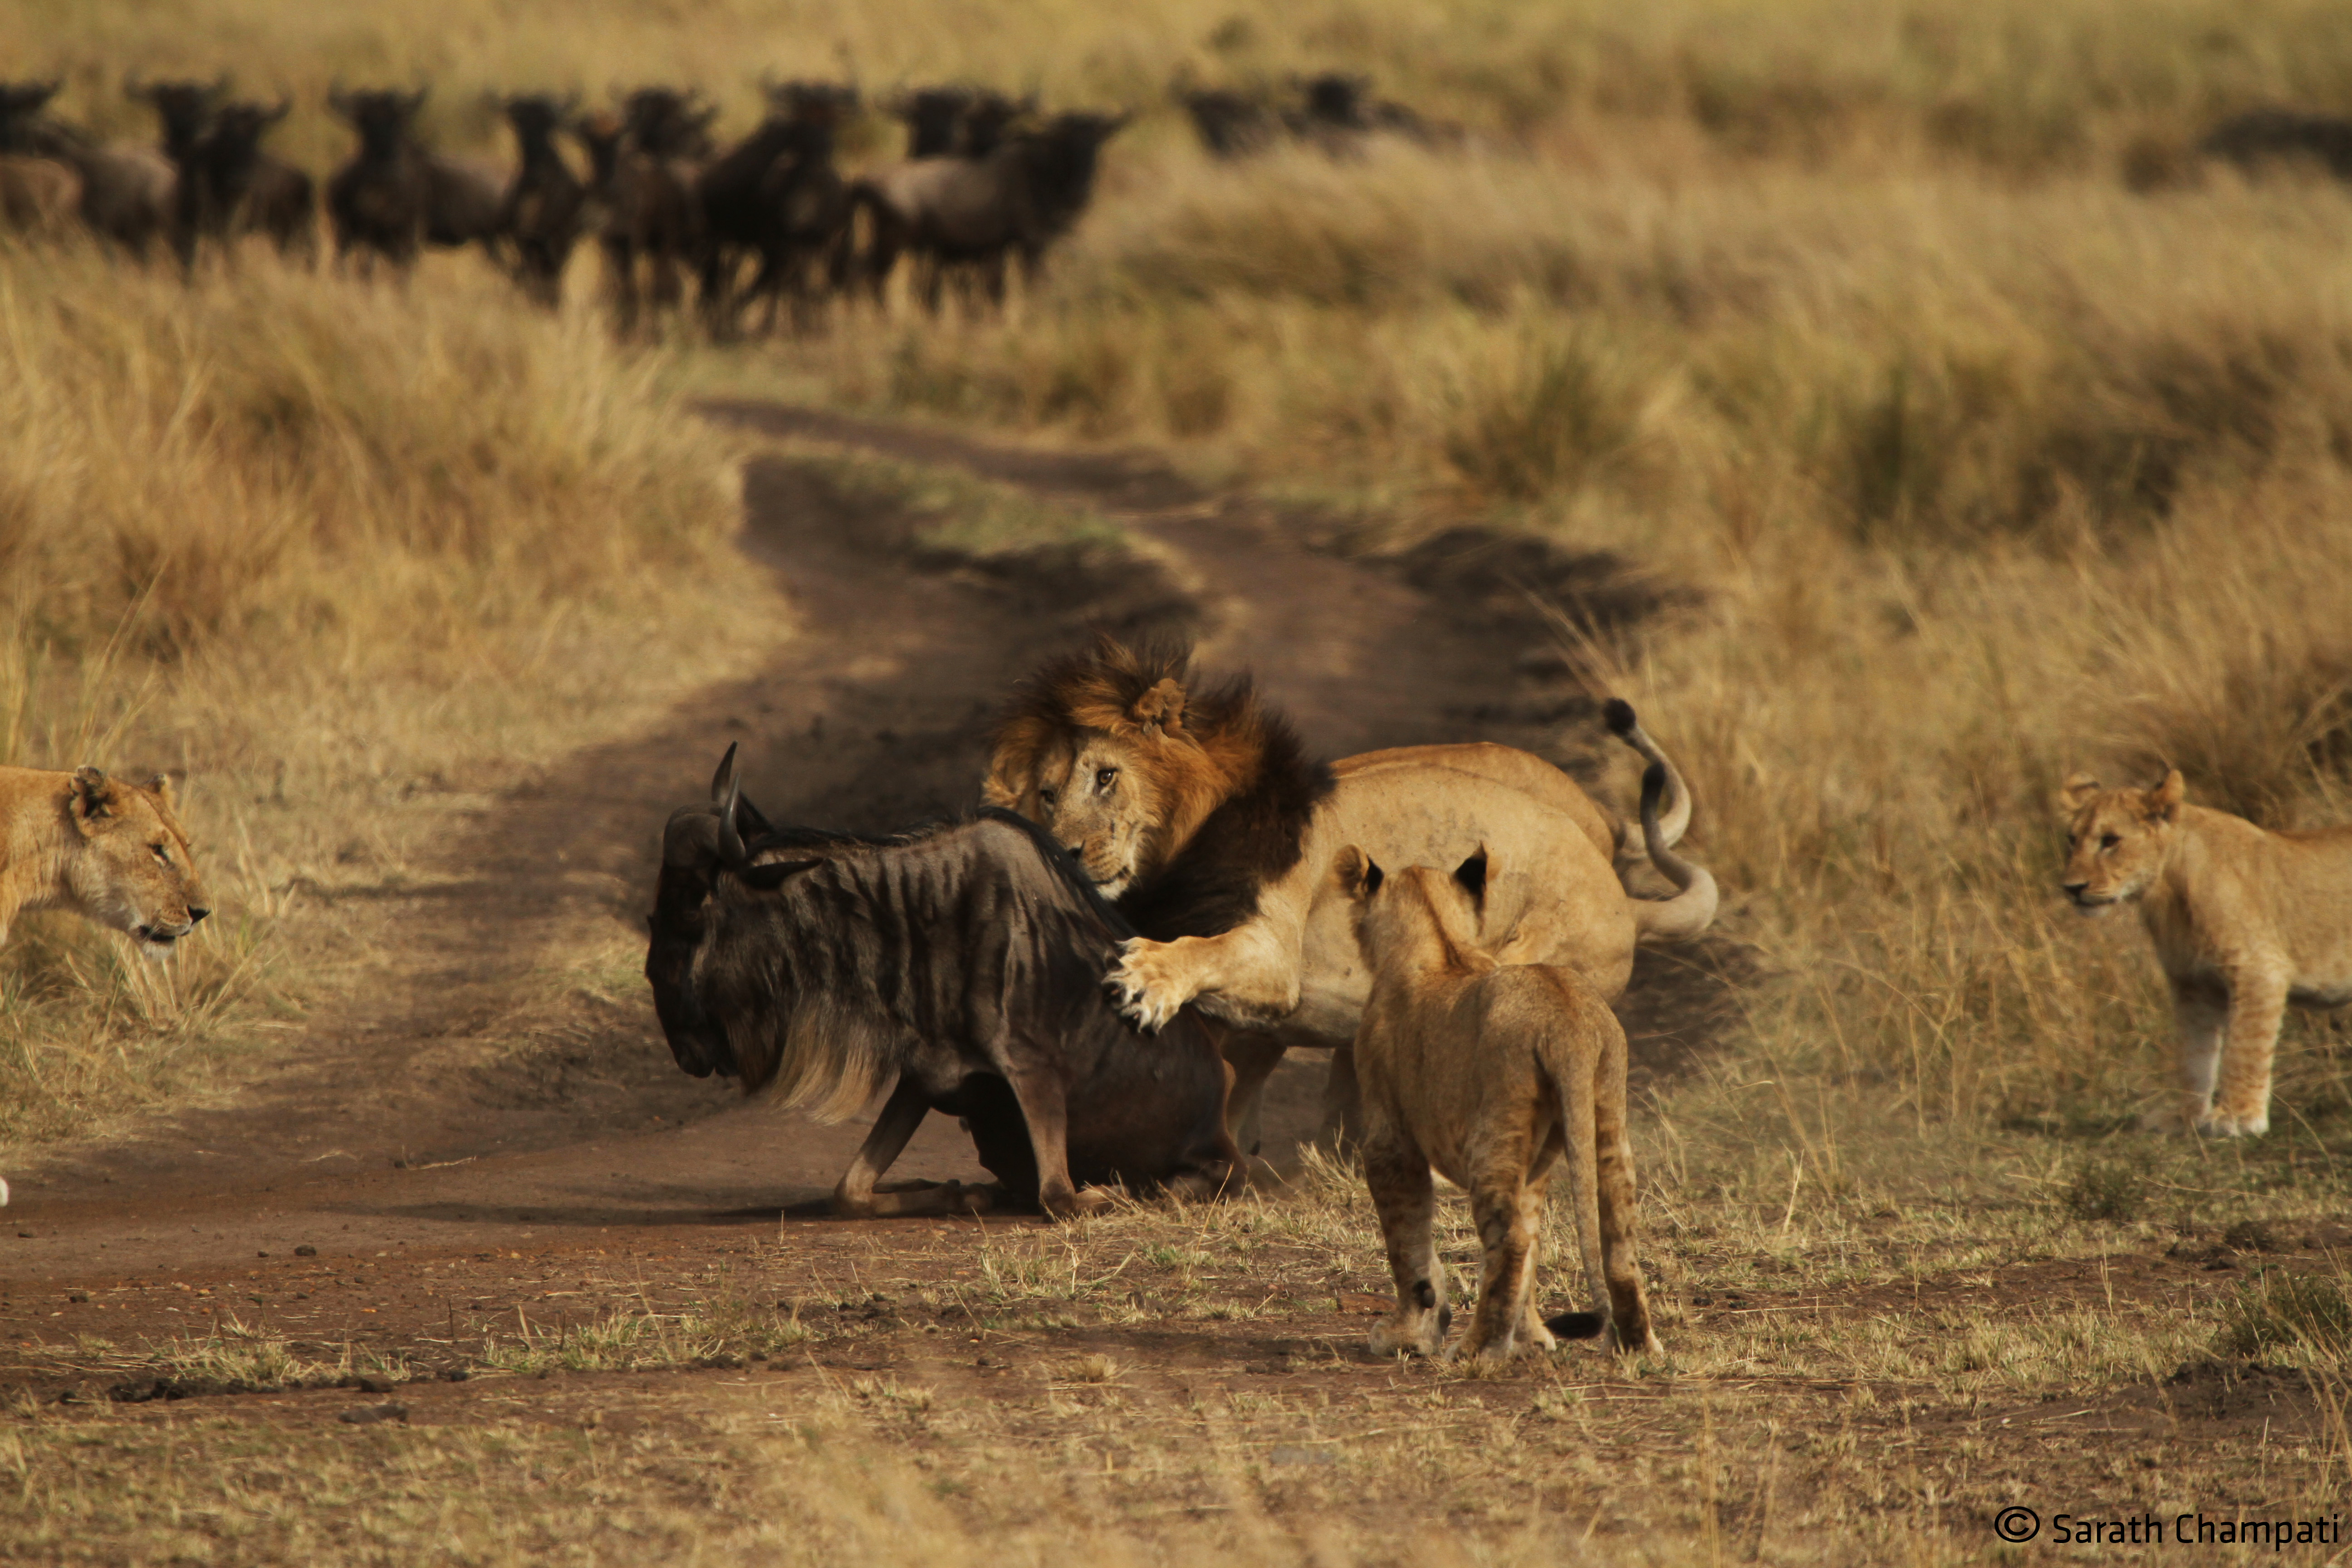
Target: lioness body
x: 1486, y: 1073
x: 110, y: 850
x: 1195, y: 811
x: 2246, y: 922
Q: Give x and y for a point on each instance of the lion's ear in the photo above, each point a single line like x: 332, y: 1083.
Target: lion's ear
x: 2164, y: 802
x: 1161, y: 708
x: 159, y: 786
x: 2078, y: 791
x: 93, y: 796
x: 1360, y: 878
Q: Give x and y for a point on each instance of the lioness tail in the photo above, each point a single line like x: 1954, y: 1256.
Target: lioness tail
x: 1692, y: 909
x: 1675, y: 819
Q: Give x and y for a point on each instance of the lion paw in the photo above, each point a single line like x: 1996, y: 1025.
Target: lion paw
x: 2242, y: 1125
x: 1144, y: 988
x: 1416, y: 1334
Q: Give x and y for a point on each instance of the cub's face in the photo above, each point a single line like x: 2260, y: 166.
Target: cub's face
x: 132, y: 868
x: 1087, y: 791
x: 2116, y: 839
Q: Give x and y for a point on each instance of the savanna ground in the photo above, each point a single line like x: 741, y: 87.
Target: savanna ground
x: 1882, y: 399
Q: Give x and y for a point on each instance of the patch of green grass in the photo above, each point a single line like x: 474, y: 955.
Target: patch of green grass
x: 2279, y: 1312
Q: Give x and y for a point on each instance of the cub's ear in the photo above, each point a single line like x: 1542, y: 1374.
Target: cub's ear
x: 775, y: 874
x: 1472, y: 875
x: 1360, y: 878
x: 1160, y: 709
x: 93, y: 796
x: 2078, y: 791
x: 2164, y: 802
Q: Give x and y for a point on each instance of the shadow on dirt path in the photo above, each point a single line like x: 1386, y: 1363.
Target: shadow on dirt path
x: 468, y: 1099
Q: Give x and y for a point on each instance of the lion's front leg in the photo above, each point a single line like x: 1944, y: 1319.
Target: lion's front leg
x: 2202, y: 1014
x: 1244, y: 976
x: 2257, y: 1007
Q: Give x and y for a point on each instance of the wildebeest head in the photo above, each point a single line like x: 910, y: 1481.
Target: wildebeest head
x: 21, y: 103
x: 184, y: 108
x: 701, y: 846
x: 536, y: 118
x: 1064, y: 155
x: 664, y: 122
x: 381, y: 116
x: 235, y: 141
x: 930, y: 115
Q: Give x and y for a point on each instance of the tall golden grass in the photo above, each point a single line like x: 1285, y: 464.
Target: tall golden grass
x: 308, y: 542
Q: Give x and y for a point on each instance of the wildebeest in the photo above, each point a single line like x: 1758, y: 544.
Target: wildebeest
x: 546, y: 205
x: 124, y: 193
x: 962, y: 966
x: 2283, y: 135
x: 378, y: 202
x: 931, y: 115
x: 976, y: 212
x: 1230, y: 124
x: 228, y: 186
x: 644, y: 164
x: 776, y: 197
x: 37, y: 197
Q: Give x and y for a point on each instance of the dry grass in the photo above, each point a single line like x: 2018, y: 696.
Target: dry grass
x: 335, y: 555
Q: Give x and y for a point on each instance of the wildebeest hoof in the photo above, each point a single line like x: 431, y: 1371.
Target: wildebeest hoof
x: 1075, y: 1205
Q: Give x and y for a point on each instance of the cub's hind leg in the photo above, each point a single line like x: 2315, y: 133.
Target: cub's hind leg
x: 1398, y: 1174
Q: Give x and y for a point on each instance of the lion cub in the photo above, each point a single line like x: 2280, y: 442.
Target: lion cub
x: 2244, y: 920
x: 1487, y: 1071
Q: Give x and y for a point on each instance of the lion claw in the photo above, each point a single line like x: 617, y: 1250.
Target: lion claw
x: 1133, y: 992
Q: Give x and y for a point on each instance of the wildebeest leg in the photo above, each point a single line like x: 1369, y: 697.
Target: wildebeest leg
x: 1342, y: 1102
x: 1045, y: 1107
x: 1251, y: 1056
x: 856, y: 1198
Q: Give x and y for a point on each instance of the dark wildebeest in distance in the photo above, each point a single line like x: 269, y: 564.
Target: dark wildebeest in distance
x: 546, y: 205
x: 123, y: 194
x: 644, y: 164
x: 931, y: 116
x: 776, y: 197
x: 958, y: 965
x: 229, y: 187
x: 379, y: 201
x: 974, y: 213
x: 1337, y: 115
x: 39, y: 195
x: 2282, y: 136
x: 1230, y: 124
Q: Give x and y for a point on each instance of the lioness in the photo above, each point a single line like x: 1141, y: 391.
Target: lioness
x: 1198, y: 812
x: 2244, y: 920
x: 113, y: 851
x: 1485, y: 1072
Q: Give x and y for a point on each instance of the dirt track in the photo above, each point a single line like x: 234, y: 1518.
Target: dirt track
x: 439, y: 1179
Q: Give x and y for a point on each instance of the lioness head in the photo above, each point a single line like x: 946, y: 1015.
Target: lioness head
x: 128, y: 865
x: 2116, y: 839
x: 1110, y: 753
x: 1420, y: 918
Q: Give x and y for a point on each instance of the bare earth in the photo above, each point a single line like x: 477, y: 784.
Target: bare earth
x: 409, y: 1191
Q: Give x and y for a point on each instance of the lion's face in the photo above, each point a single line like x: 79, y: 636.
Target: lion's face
x: 1093, y: 793
x: 130, y: 866
x: 2116, y: 839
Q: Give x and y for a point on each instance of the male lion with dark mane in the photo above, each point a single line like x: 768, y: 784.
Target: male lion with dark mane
x: 2244, y: 920
x: 1197, y: 811
x: 113, y: 851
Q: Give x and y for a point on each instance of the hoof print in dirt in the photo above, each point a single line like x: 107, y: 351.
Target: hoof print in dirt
x: 368, y: 1415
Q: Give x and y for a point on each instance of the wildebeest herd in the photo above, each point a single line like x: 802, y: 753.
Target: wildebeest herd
x: 770, y: 219
x: 769, y: 222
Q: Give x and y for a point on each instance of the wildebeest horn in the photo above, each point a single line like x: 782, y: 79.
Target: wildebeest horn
x: 731, y: 842
x: 722, y: 782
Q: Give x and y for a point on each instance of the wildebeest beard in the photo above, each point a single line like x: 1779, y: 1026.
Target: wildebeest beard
x: 962, y: 962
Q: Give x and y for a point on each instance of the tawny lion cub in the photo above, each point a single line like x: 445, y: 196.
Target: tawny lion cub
x: 1486, y: 1072
x: 2244, y: 920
